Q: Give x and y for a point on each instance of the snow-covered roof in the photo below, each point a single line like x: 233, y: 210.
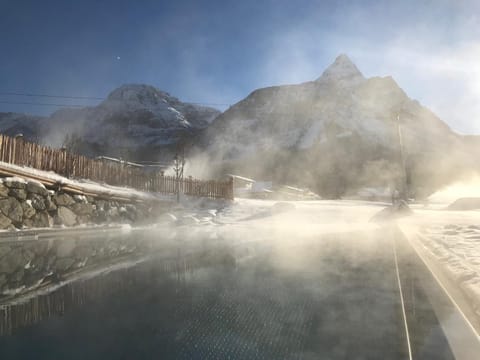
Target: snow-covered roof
x: 135, y: 164
x: 241, y: 178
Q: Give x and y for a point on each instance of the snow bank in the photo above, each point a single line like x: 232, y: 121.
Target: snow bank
x: 87, y: 186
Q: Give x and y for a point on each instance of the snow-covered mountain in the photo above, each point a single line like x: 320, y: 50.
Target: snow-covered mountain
x: 135, y: 120
x: 341, y: 130
x: 340, y: 103
x: 138, y: 121
x: 335, y: 134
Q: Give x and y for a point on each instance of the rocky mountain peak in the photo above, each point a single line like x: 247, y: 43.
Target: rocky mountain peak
x: 140, y: 93
x: 342, y: 69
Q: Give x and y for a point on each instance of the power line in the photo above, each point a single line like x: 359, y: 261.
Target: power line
x: 78, y: 105
x: 39, y: 104
x: 10, y: 93
x: 51, y: 96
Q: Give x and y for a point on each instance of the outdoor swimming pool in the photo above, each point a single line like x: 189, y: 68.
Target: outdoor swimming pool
x: 335, y: 297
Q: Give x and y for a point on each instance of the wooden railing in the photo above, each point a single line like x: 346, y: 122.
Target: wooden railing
x: 17, y: 151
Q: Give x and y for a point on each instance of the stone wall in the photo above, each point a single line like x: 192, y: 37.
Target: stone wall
x: 28, y: 204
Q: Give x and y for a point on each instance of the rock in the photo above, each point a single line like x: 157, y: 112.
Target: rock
x: 100, y: 216
x: 113, y: 213
x: 28, y: 210
x: 131, y: 213
x: 20, y: 194
x: 38, y: 202
x: 4, y: 222
x: 80, y: 198
x: 63, y: 200
x: 109, y: 205
x: 36, y: 188
x: 28, y: 223
x: 11, y: 208
x: 15, y: 183
x: 101, y: 205
x: 42, y: 220
x: 3, y: 190
x: 131, y: 208
x: 50, y: 204
x: 90, y: 199
x: 65, y: 216
x: 82, y: 208
x: 83, y: 219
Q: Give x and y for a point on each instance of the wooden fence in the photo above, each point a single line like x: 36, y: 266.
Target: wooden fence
x: 20, y: 152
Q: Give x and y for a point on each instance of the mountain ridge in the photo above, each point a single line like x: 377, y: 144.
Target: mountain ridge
x: 135, y: 120
x: 343, y: 127
x: 340, y: 132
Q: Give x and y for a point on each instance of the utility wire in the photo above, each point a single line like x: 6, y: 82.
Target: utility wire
x: 51, y: 96
x: 40, y: 104
x: 9, y: 93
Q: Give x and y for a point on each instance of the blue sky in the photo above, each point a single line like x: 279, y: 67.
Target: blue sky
x: 220, y: 51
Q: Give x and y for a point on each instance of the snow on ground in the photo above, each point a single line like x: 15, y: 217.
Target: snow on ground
x: 86, y: 185
x: 466, y: 188
x: 270, y: 221
x: 452, y: 238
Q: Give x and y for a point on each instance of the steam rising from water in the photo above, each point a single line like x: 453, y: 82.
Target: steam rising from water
x: 466, y: 188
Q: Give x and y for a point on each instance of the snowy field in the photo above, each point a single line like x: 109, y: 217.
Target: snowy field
x: 273, y: 219
x: 452, y: 239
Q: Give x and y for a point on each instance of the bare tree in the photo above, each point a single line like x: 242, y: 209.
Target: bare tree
x: 178, y: 167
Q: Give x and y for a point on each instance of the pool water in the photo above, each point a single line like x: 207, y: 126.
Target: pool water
x: 336, y: 297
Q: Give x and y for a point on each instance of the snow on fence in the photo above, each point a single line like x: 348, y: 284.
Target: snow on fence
x: 17, y: 151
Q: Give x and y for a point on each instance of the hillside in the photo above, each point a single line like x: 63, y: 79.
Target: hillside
x: 334, y: 135
x: 138, y: 122
x: 337, y: 134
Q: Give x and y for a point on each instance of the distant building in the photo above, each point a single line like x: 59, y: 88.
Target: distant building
x: 250, y: 188
x: 146, y: 166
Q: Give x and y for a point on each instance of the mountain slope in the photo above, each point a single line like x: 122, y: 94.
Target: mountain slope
x: 13, y: 124
x: 135, y: 121
x: 336, y: 134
